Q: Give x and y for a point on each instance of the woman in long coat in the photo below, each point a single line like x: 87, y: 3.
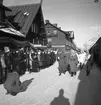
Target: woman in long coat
x: 73, y: 61
x: 63, y: 63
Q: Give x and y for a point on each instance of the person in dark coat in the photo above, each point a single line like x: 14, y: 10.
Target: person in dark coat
x: 8, y: 59
x: 35, y: 62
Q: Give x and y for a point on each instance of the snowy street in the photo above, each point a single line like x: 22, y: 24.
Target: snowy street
x: 46, y: 86
x: 50, y: 52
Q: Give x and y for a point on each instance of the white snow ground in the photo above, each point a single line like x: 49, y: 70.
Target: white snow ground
x: 79, y: 90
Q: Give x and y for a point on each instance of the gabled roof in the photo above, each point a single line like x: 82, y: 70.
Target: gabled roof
x: 23, y: 16
x: 67, y: 33
x: 5, y: 8
x: 97, y: 41
x: 56, y: 28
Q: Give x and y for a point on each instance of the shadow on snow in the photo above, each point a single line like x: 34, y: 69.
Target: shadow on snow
x: 89, y: 90
x: 60, y: 100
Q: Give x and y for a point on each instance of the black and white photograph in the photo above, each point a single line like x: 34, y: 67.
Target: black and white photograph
x: 50, y: 52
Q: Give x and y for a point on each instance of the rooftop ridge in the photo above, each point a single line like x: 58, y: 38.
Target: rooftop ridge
x: 24, y: 4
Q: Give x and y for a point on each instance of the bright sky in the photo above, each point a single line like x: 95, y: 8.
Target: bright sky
x: 81, y: 16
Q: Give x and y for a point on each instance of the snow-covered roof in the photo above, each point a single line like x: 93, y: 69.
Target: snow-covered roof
x: 92, y: 41
x: 11, y: 30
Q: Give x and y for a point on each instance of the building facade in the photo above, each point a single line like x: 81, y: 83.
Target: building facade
x: 58, y: 38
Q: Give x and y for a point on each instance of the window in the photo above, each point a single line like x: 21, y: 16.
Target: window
x: 54, y: 32
x: 36, y: 41
x: 34, y: 28
x: 33, y: 41
x: 49, y: 40
x: 48, y: 32
x: 1, y: 15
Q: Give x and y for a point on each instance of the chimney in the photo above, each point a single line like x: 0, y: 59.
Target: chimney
x: 59, y: 28
x: 55, y: 25
x: 46, y: 21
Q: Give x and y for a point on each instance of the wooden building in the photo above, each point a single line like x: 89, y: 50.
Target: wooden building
x: 8, y: 34
x: 57, y: 38
x: 28, y: 19
x: 2, y: 12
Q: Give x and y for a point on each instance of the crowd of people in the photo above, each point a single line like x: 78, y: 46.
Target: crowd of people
x: 15, y: 63
x: 22, y: 61
x: 71, y: 60
x: 68, y: 61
